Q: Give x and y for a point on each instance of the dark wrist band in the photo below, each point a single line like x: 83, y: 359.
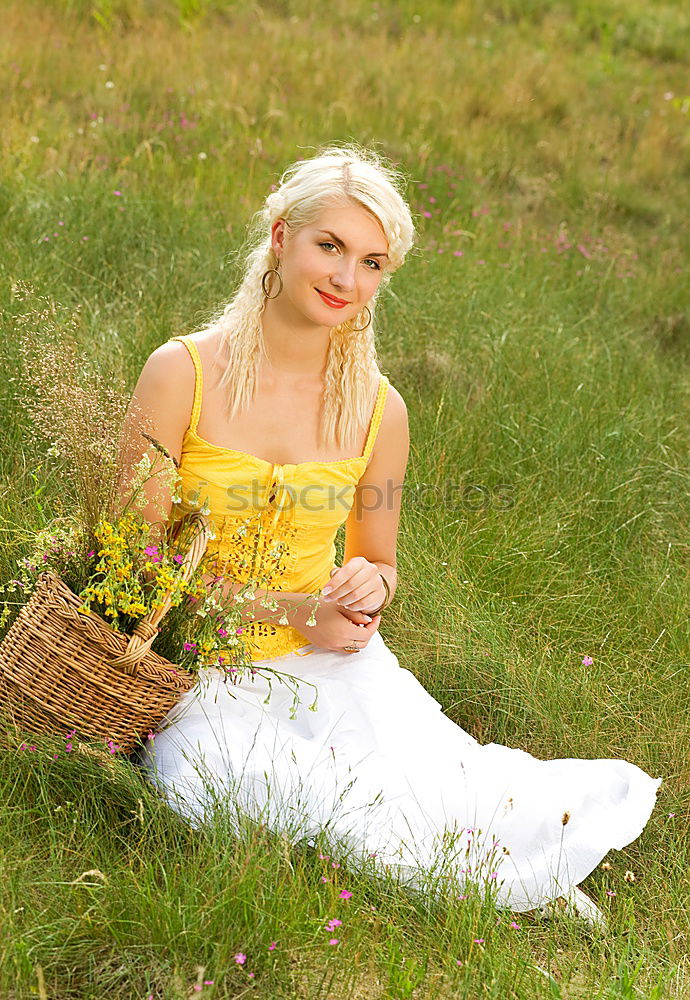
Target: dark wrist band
x: 386, y: 599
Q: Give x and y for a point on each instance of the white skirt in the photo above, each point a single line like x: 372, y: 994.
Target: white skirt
x: 380, y: 767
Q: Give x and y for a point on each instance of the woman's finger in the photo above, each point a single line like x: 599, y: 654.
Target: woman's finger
x: 347, y: 591
x: 358, y: 617
x: 336, y: 591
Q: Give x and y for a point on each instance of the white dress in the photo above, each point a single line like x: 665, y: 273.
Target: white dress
x: 381, y: 769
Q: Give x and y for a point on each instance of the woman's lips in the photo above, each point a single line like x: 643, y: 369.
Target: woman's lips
x: 334, y: 303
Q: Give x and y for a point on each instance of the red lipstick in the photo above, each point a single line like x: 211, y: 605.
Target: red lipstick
x: 333, y: 302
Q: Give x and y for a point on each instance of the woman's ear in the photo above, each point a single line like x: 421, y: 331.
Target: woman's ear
x: 278, y: 236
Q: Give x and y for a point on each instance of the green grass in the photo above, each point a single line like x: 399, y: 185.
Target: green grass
x: 548, y: 494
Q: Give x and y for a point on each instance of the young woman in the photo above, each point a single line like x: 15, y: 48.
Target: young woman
x: 277, y: 412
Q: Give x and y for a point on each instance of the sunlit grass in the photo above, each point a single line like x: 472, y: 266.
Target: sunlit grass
x: 540, y: 335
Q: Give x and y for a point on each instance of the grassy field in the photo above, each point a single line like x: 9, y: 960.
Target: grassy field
x: 540, y: 334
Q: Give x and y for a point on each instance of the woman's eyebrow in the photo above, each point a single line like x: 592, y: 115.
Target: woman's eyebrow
x: 336, y: 239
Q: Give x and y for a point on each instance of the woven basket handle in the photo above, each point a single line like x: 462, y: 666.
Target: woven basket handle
x: 146, y: 630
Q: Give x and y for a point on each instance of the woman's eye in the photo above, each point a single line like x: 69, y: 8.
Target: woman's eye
x: 376, y: 264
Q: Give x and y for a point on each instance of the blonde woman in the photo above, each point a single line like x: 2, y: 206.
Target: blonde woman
x: 277, y: 410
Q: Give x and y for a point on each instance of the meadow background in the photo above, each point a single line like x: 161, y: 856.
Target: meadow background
x: 540, y: 334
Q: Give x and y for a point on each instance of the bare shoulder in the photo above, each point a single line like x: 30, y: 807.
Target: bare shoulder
x: 164, y: 393
x: 394, y: 421
x: 394, y: 402
x: 391, y: 448
x: 169, y: 358
x: 169, y: 374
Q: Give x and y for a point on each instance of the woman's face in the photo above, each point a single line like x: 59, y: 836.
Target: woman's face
x: 342, y: 254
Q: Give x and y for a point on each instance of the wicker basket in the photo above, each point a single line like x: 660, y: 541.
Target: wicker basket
x: 62, y: 670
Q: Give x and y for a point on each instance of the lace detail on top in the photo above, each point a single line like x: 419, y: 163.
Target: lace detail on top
x: 283, y: 546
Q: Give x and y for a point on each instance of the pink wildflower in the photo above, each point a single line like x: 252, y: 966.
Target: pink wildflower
x: 240, y: 958
x: 345, y: 894
x: 587, y: 661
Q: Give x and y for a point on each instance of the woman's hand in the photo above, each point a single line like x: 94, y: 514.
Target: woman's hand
x: 355, y: 586
x: 335, y: 628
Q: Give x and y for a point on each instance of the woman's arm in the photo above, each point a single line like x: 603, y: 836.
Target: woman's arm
x: 160, y: 407
x: 371, y: 530
x: 293, y: 604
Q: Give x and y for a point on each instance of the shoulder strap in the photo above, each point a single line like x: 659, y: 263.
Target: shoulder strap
x: 376, y: 418
x: 198, y: 379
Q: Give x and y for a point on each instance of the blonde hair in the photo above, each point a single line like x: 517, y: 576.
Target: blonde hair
x: 306, y: 187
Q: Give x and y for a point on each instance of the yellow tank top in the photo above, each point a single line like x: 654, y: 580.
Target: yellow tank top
x: 274, y: 522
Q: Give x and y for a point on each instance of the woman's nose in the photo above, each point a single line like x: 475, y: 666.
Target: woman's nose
x: 344, y: 277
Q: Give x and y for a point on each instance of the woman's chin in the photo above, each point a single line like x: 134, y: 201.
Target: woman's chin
x: 330, y: 319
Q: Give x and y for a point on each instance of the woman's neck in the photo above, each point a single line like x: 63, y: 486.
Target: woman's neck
x: 295, y: 347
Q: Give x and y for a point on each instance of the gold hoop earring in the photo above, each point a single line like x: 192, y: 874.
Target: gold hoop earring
x: 358, y: 329
x: 272, y: 270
